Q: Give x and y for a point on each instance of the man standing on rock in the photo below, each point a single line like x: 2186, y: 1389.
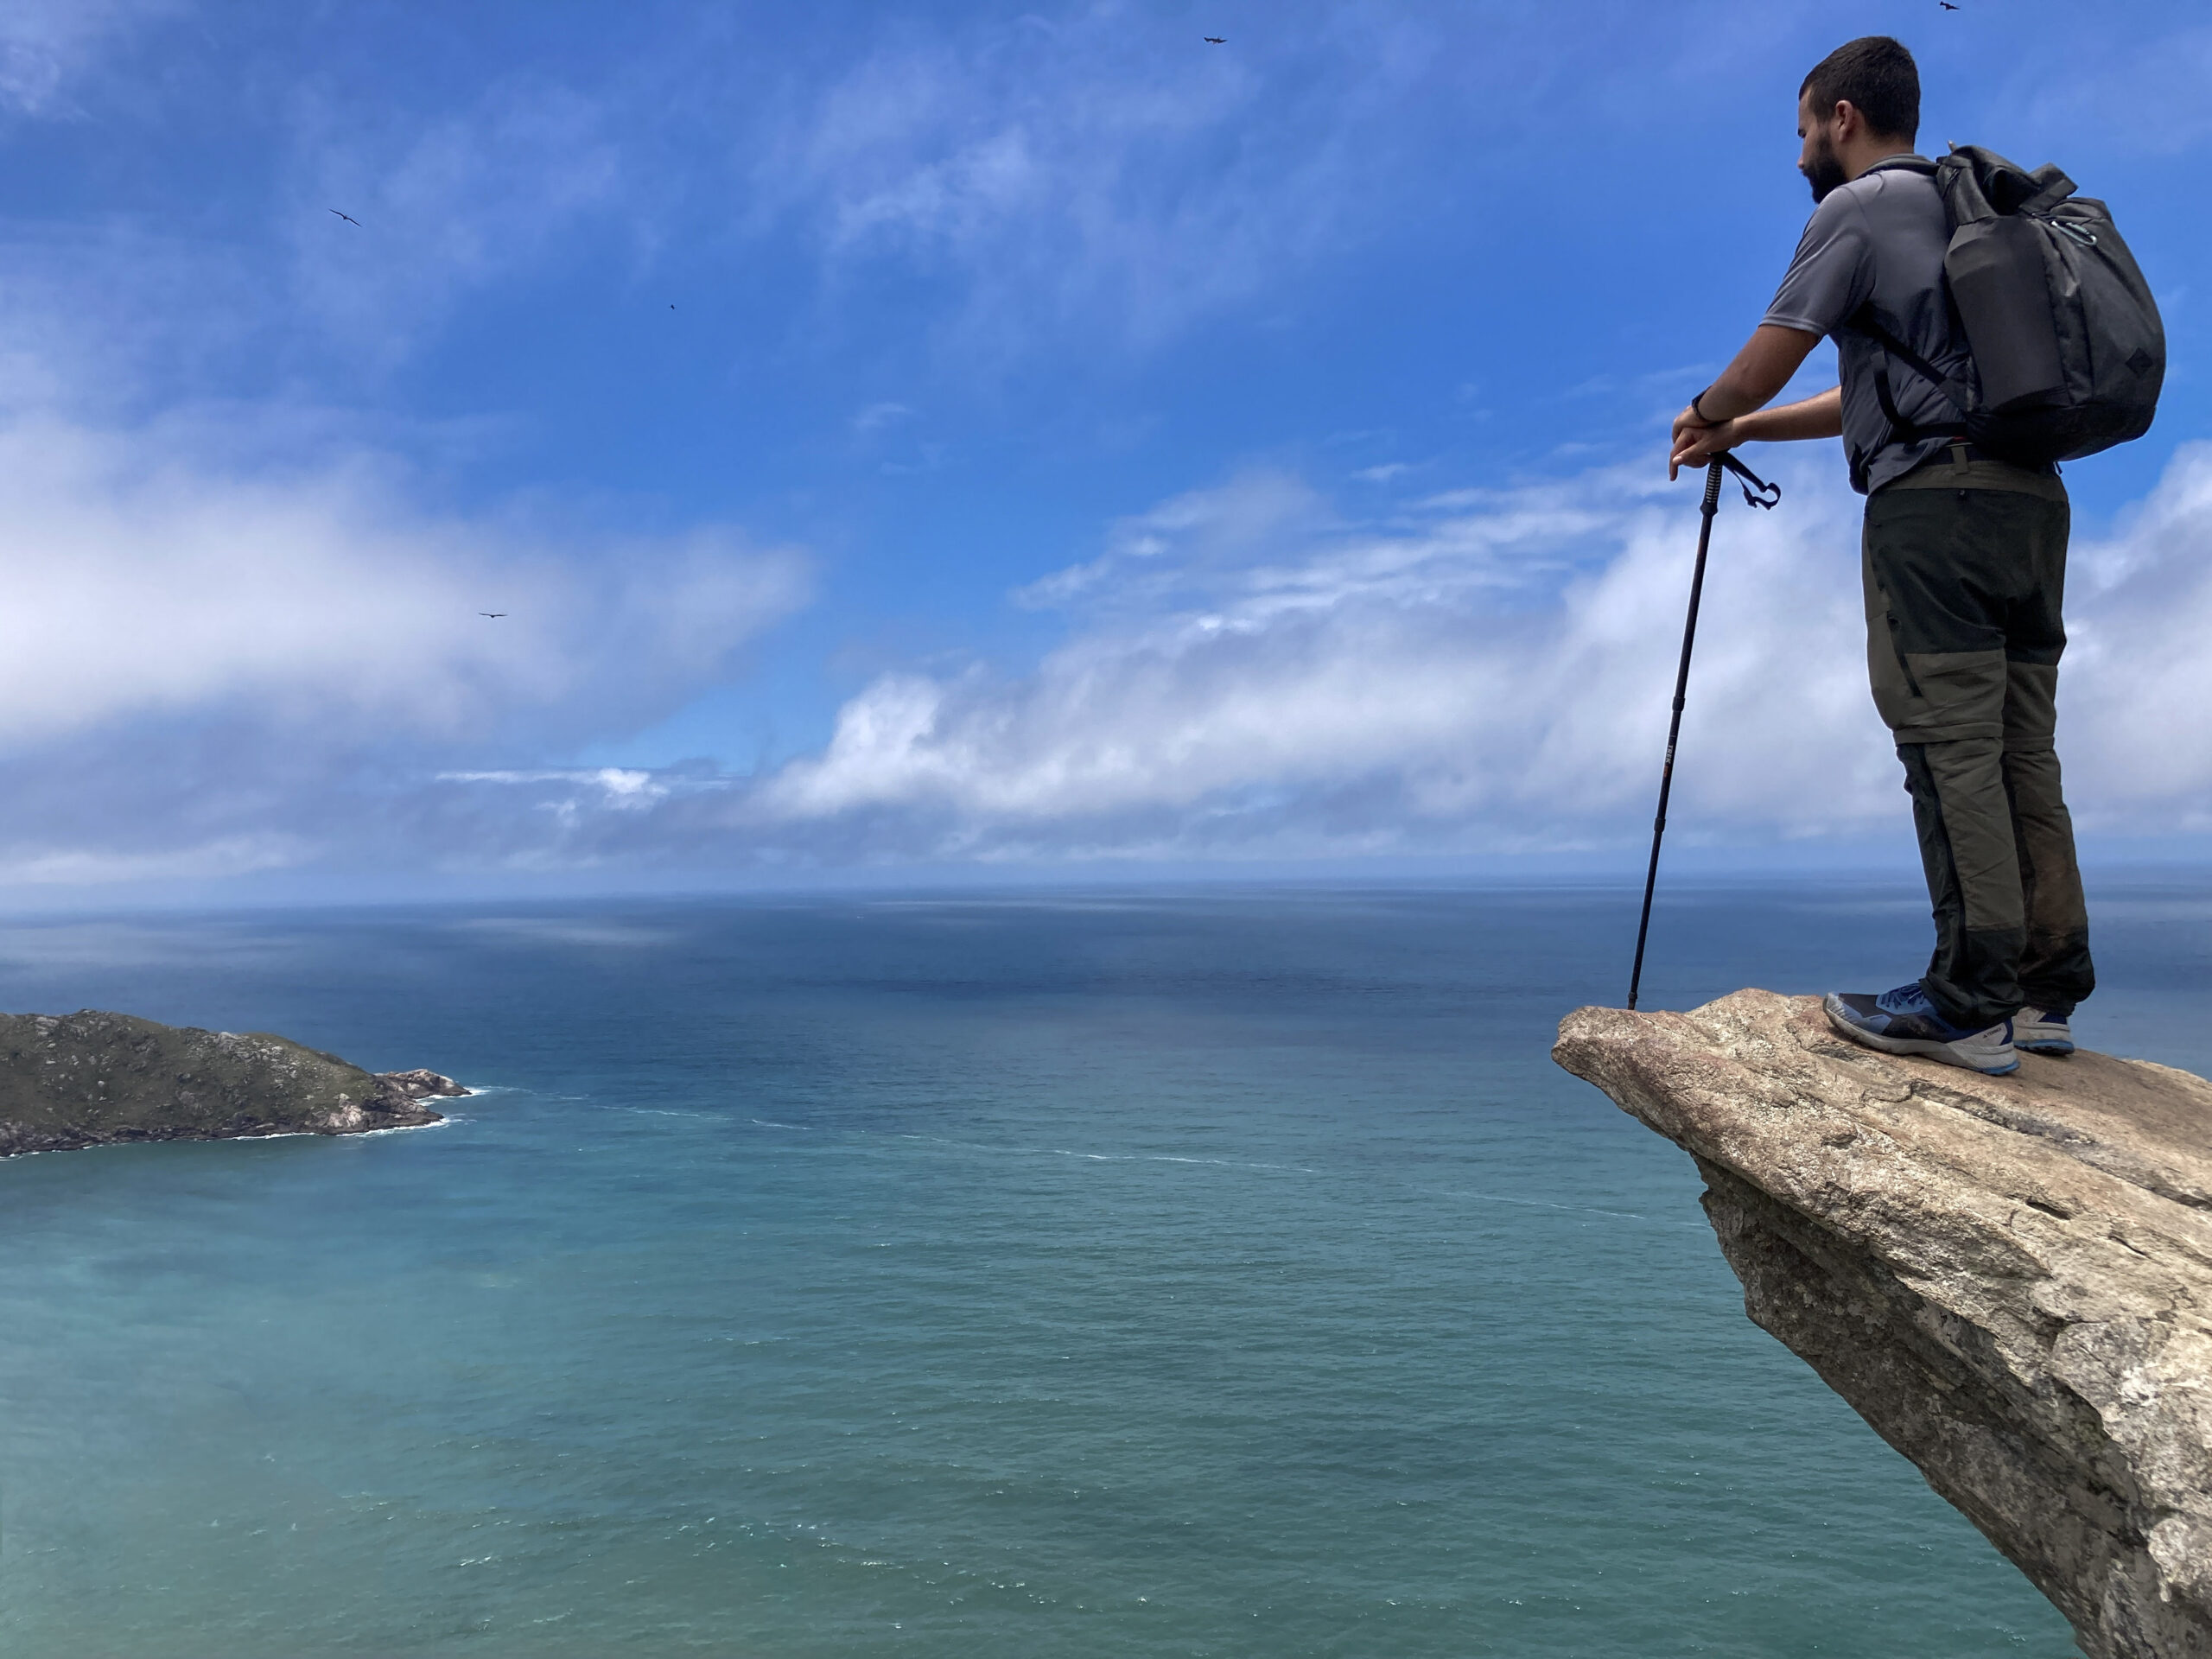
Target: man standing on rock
x: 1964, y: 561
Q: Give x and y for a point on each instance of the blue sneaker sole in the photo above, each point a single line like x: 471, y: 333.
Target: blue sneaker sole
x: 1926, y: 1047
x: 2058, y: 1051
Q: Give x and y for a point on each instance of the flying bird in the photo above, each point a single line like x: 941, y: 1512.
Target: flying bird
x: 1947, y: 5
x: 1217, y: 39
x: 491, y: 613
x: 349, y: 218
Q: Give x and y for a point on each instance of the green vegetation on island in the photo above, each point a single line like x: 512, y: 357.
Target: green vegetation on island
x: 93, y: 1078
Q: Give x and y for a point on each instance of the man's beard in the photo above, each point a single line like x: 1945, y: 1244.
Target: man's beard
x: 1826, y: 172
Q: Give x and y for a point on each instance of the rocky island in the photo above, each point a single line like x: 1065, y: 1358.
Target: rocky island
x: 92, y: 1079
x: 2009, y: 1278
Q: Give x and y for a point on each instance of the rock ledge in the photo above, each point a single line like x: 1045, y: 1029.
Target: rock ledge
x: 2009, y: 1278
x: 94, y: 1079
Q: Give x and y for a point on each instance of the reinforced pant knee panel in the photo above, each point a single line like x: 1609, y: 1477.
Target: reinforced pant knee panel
x: 2056, y: 971
x: 2030, y: 706
x: 1973, y: 977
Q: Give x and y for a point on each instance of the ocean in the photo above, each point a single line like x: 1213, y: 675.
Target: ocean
x: 1208, y: 1272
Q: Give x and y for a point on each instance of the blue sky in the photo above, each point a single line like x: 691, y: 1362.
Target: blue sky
x: 980, y: 436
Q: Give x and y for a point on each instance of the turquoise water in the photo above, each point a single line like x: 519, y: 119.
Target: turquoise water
x: 1221, y: 1273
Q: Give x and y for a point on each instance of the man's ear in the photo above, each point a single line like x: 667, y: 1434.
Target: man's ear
x: 1845, y: 121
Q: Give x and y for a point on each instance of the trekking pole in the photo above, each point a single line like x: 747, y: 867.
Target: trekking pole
x: 1767, y: 495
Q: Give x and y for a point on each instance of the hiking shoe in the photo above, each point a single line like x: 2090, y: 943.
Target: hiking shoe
x: 2040, y: 1033
x: 1904, y: 1021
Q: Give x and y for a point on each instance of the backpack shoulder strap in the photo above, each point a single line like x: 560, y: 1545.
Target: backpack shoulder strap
x: 1864, y: 321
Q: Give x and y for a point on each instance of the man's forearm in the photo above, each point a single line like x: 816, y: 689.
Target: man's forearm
x: 1818, y: 417
x: 1759, y: 370
x: 1729, y: 411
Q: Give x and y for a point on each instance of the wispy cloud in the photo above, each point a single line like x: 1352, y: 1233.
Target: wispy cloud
x: 2141, y: 88
x: 1014, y: 176
x: 45, y: 44
x: 448, y: 205
x: 876, y: 416
x: 1094, y: 164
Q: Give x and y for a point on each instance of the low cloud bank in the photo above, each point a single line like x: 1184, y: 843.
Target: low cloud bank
x: 205, y: 676
x: 207, y: 670
x: 1247, y: 675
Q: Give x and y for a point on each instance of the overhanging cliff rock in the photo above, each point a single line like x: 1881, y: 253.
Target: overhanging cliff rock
x: 92, y: 1079
x: 2009, y: 1278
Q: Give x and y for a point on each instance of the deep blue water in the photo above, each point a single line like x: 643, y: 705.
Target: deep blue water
x: 1219, y: 1272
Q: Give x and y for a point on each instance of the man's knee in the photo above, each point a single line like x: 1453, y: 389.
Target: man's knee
x: 2030, y: 706
x: 1939, y: 696
x: 2032, y: 778
x: 1967, y: 778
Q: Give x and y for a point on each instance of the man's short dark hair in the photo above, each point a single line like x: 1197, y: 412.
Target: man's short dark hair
x: 1875, y: 74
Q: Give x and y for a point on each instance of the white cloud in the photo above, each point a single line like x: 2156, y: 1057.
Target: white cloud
x: 2135, y: 731
x: 209, y: 668
x: 1493, y: 671
x: 323, y: 603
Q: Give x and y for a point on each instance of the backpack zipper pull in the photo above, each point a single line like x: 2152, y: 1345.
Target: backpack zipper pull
x: 2086, y: 238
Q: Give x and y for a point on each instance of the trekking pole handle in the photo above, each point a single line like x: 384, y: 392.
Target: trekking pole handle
x: 1767, y: 494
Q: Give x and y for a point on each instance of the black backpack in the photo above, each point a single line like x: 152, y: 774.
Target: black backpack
x: 2069, y: 352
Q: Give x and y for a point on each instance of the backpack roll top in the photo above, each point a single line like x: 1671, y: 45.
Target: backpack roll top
x: 2067, y: 347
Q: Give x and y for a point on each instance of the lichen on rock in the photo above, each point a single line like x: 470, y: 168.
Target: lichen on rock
x: 2009, y: 1278
x: 93, y: 1078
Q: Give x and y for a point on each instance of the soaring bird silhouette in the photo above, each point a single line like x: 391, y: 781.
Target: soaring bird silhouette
x: 1217, y: 39
x: 1947, y: 5
x: 349, y: 218
x: 491, y: 613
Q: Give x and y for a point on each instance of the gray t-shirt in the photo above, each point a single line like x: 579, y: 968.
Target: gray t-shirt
x: 1879, y: 238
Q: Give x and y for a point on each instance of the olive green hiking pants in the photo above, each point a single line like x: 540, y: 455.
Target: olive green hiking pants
x: 1964, y: 567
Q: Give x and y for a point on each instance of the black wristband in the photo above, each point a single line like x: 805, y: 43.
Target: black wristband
x: 1700, y: 413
